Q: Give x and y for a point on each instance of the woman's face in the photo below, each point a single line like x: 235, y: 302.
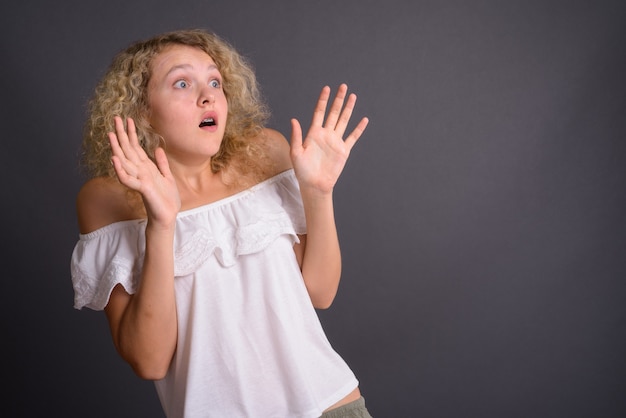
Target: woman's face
x: 187, y: 104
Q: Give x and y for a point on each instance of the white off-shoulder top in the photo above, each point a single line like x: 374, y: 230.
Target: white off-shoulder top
x: 250, y: 343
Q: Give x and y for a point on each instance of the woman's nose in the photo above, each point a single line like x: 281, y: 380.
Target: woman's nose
x: 207, y: 99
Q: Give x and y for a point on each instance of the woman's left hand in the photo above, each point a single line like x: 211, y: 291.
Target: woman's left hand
x: 320, y: 158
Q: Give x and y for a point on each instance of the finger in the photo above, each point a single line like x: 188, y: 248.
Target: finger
x: 356, y: 133
x: 320, y: 109
x: 124, y: 138
x: 346, y: 114
x: 134, y: 139
x: 162, y: 162
x: 335, y: 108
x: 116, y: 148
x: 131, y: 131
x: 296, y: 137
x: 120, y: 131
x: 120, y: 156
x: 120, y: 136
x: 115, y: 144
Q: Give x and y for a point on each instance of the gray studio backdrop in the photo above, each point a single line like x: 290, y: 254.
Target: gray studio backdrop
x: 481, y: 214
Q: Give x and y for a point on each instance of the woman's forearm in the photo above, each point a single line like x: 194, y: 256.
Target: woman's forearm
x: 148, y: 327
x: 321, y: 264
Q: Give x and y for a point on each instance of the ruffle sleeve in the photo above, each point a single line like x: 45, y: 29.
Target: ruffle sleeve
x: 104, y: 258
x: 242, y: 224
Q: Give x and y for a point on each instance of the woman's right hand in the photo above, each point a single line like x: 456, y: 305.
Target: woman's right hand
x: 138, y: 172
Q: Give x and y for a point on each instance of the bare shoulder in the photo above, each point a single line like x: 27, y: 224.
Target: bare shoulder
x: 277, y: 148
x: 102, y: 201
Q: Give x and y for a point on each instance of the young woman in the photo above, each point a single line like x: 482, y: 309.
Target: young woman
x: 209, y: 239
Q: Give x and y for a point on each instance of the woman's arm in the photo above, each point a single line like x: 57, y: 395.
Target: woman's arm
x: 318, y: 162
x: 143, y: 325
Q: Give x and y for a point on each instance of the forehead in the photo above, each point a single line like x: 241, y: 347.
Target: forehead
x: 174, y: 56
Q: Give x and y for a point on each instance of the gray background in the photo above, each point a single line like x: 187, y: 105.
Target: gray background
x: 482, y: 213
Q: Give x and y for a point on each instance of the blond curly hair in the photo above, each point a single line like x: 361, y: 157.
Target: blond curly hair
x: 123, y: 92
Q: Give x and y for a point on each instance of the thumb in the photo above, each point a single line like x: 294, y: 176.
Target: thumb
x: 296, y: 136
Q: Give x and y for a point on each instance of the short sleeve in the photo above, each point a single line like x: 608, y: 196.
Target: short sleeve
x: 104, y: 258
x: 291, y: 200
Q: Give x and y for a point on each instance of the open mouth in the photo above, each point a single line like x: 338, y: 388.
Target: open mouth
x: 207, y: 122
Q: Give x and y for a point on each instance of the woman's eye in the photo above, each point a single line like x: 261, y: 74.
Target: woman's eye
x: 215, y: 83
x: 181, y: 84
